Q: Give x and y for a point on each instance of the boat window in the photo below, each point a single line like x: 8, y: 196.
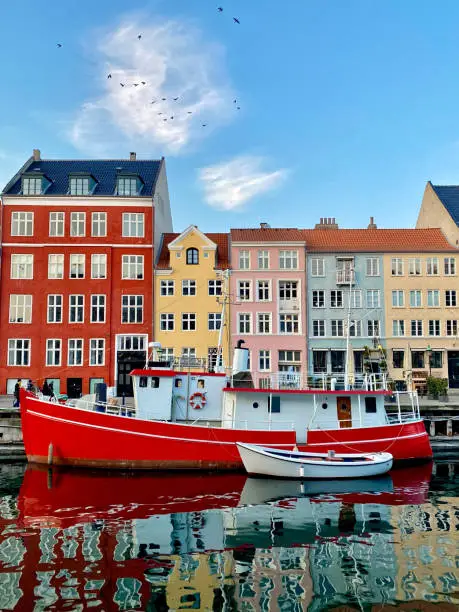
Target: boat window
x: 154, y: 382
x: 370, y: 405
x: 201, y: 383
x: 178, y: 382
x: 274, y: 404
x: 143, y: 381
x: 255, y: 404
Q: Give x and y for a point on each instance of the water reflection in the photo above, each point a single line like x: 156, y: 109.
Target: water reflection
x: 80, y: 540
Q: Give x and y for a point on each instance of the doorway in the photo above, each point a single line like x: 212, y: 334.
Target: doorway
x: 453, y: 369
x: 126, y: 362
x: 74, y: 388
x: 343, y: 405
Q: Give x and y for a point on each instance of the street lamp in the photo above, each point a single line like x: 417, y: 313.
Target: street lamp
x: 429, y: 352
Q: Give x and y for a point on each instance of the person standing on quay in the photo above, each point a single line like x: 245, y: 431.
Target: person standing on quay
x: 17, y: 386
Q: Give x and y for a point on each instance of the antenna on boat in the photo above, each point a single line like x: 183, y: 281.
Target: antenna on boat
x: 224, y: 301
x: 348, y: 330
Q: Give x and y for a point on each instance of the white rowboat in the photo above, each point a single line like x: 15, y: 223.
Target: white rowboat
x: 294, y: 464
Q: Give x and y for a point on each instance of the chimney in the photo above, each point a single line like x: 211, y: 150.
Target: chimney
x: 36, y: 155
x: 327, y: 223
x: 372, y: 224
x: 264, y: 226
x: 132, y: 156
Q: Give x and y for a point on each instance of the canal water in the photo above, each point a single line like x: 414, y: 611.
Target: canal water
x: 78, y: 540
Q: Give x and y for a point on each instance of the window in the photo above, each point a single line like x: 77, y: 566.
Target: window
x: 167, y: 287
x: 75, y: 352
x: 76, y: 308
x: 433, y: 298
x: 77, y: 265
x: 189, y: 353
x: 99, y: 265
x: 56, y: 223
x: 451, y: 327
x: 337, y: 327
x: 132, y: 267
x: 288, y: 260
x: 414, y: 266
x: 373, y: 300
x: 188, y: 321
x: 356, y: 298
x: 21, y: 266
x: 166, y: 321
x: 215, y: 287
x: 22, y: 224
x: 32, y: 185
x: 397, y: 266
x: 244, y: 323
x: 355, y: 328
x: 54, y: 312
x: 373, y: 328
x: 434, y: 327
x: 436, y: 359
x: 192, y: 257
x: 264, y: 360
x: 244, y: 260
x: 372, y: 266
x: 319, y: 361
x: 398, y: 359
x: 318, y: 299
x: 338, y: 359
x: 450, y: 266
x: 398, y: 298
x: 288, y: 324
x: 416, y: 327
x: 97, y: 351
x: 20, y: 308
x: 317, y: 266
x: 263, y: 323
x: 398, y: 327
x: 132, y: 309
x: 288, y: 290
x: 318, y: 328
x: 79, y: 185
x: 263, y: 291
x: 18, y: 352
x: 214, y: 321
x: 450, y: 297
x: 417, y: 359
x: 53, y: 351
x: 358, y: 362
x: 127, y: 186
x: 370, y: 405
x: 289, y: 360
x: 243, y: 291
x: 99, y: 224
x: 432, y: 266
x: 415, y: 299
x: 263, y: 260
x: 97, y: 308
x: 77, y: 224
x: 133, y: 225
x: 336, y: 299
x: 55, y: 266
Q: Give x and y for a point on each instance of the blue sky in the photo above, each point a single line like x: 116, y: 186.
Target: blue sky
x: 347, y: 107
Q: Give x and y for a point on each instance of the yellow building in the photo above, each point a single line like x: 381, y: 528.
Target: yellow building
x: 422, y: 308
x: 191, y: 284
x: 440, y: 208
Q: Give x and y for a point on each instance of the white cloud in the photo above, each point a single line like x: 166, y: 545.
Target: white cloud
x: 229, y: 185
x: 174, y: 59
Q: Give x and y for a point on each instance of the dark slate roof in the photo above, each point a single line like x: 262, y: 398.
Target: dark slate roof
x: 449, y: 196
x: 104, y: 171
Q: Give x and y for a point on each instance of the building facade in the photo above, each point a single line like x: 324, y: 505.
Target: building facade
x: 76, y: 285
x: 440, y: 208
x: 268, y: 305
x: 191, y: 298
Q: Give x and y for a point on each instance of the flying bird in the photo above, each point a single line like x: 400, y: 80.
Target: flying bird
x: 163, y: 99
x: 220, y: 9
x: 175, y: 99
x: 59, y: 45
x: 159, y: 113
x: 238, y: 108
x: 143, y: 82
x: 172, y: 117
x: 236, y: 20
x: 122, y: 84
x: 109, y: 76
x: 204, y: 125
x: 139, y: 36
x: 234, y: 101
x: 153, y: 102
x: 190, y: 112
x: 165, y: 119
x: 135, y: 84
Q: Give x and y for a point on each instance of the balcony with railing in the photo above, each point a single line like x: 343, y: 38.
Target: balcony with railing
x: 289, y: 305
x: 345, y: 277
x: 318, y: 382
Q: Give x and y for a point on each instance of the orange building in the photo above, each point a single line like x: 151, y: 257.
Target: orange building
x: 76, y: 288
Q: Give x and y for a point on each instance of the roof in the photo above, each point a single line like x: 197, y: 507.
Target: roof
x: 449, y: 197
x: 104, y: 171
x: 221, y: 240
x: 376, y: 240
x: 268, y: 234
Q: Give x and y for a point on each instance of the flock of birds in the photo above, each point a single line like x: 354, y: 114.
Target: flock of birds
x: 175, y: 99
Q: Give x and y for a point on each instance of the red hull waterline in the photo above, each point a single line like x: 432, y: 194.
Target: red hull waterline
x: 60, y: 435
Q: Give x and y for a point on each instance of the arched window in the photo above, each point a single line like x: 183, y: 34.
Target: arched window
x: 192, y: 257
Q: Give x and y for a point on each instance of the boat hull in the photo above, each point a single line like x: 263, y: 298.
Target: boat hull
x: 63, y: 435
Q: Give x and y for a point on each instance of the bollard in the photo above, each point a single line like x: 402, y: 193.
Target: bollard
x: 432, y: 429
x: 50, y: 454
x: 449, y: 428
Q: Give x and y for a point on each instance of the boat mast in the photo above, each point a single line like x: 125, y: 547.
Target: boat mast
x: 348, y: 331
x: 220, y: 365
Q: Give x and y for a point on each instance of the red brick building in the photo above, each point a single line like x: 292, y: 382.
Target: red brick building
x: 76, y: 286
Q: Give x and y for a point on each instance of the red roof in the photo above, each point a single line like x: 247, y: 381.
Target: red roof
x: 376, y: 240
x: 267, y: 234
x: 221, y: 240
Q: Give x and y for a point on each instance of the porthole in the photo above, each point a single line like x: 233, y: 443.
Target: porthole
x: 325, y: 405
x: 255, y: 404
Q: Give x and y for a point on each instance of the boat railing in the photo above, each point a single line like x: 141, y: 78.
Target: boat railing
x: 258, y: 425
x: 401, y: 411
x: 325, y: 382
x: 109, y: 407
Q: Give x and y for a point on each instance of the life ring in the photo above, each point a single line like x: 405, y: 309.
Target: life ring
x: 198, y: 400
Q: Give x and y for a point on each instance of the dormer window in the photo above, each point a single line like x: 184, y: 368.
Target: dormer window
x: 80, y: 185
x: 128, y: 186
x: 192, y: 257
x: 32, y: 185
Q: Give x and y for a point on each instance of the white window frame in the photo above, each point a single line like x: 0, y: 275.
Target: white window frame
x: 295, y: 322
x: 53, y: 346
x: 189, y: 288
x: 373, y: 328
x: 244, y: 322
x: 98, y: 265
x: 127, y: 186
x: 244, y: 260
x: 79, y: 186
x: 167, y: 288
x: 317, y: 266
x: 372, y: 266
x: 214, y: 321
x: 32, y: 185
x: 166, y: 319
x: 77, y: 260
x: 290, y: 257
x: 418, y: 326
x: 214, y: 287
x: 20, y: 308
x: 398, y: 327
x: 132, y: 267
x: 99, y: 303
x: 318, y: 298
x: 52, y: 306
x: 139, y: 303
x: 337, y: 326
x: 244, y: 287
x: 396, y: 301
x: 56, y: 262
x: 99, y: 224
x: 432, y: 266
x: 96, y: 348
x: 356, y: 298
x: 334, y: 302
x: 56, y: 224
x: 79, y: 304
x: 133, y: 225
x: 449, y: 264
x: 319, y: 325
x: 355, y: 328
x: 371, y: 301
x: 21, y: 266
x: 264, y: 318
x: 25, y: 351
x: 290, y: 289
x: 396, y: 266
x: 72, y: 349
x: 189, y: 322
x: 22, y: 223
x: 414, y: 266
x: 435, y: 326
x: 415, y: 303
x: 263, y: 287
x: 263, y: 259
x: 77, y: 224
x: 433, y: 293
x: 450, y: 296
x: 264, y: 360
x: 453, y: 326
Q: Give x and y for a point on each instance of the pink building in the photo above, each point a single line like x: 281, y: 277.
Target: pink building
x: 268, y: 297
